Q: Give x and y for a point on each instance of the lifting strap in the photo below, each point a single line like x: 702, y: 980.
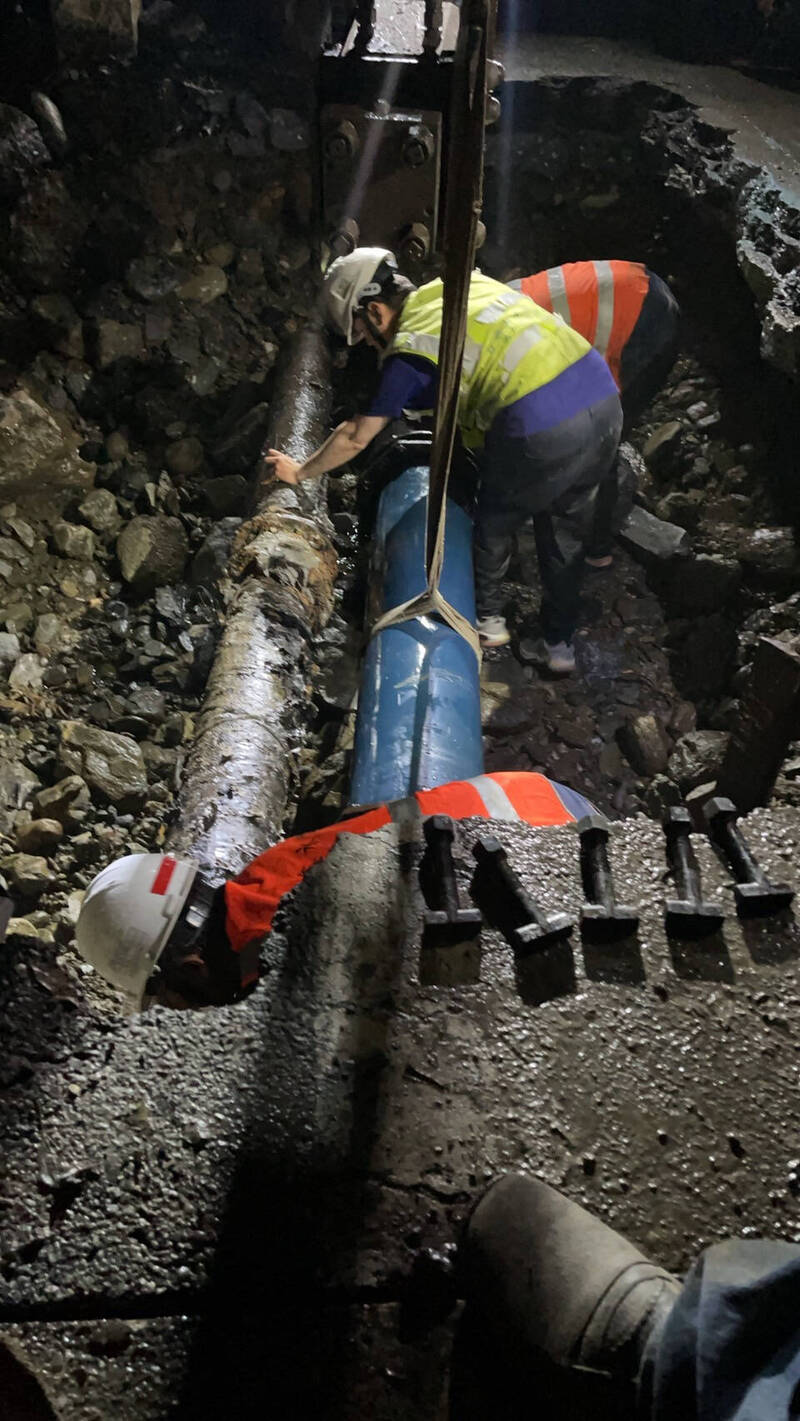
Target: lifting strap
x: 462, y: 210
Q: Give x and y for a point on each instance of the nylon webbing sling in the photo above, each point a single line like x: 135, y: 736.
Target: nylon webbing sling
x: 462, y: 210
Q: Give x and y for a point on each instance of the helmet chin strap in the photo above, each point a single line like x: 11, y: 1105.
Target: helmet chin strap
x: 381, y: 340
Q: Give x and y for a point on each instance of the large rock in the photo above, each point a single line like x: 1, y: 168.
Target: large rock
x: 697, y: 757
x: 781, y: 331
x: 28, y: 874
x: 27, y: 673
x: 67, y: 802
x: 758, y: 271
x: 771, y: 558
x: 645, y: 745
x: 61, y: 326
x: 22, y: 151
x: 96, y: 29
x: 650, y: 540
x: 99, y: 509
x: 118, y: 341
x: 226, y: 496
x: 152, y: 550
x: 205, y: 285
x: 51, y: 123
x: 46, y: 230
x: 153, y: 277
x: 9, y: 650
x: 703, y: 584
x: 211, y: 559
x: 39, y: 463
x: 111, y: 764
x: 663, y: 452
x: 39, y: 836
x: 685, y: 507
x: 185, y: 456
x: 72, y: 540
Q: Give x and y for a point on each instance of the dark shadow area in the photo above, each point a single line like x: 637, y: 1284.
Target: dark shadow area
x: 543, y: 969
x: 27, y: 50
x: 616, y: 964
x: 271, y: 1341
x: 546, y: 974
x: 456, y: 966
x: 772, y: 941
x: 276, y: 1336
x: 487, y: 1380
x: 705, y: 961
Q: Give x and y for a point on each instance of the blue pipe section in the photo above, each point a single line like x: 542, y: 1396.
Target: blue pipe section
x: 419, y: 712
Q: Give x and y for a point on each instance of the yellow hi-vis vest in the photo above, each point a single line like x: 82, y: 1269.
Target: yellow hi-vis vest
x: 512, y: 347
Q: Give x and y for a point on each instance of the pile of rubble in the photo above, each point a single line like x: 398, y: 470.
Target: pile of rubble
x: 155, y: 254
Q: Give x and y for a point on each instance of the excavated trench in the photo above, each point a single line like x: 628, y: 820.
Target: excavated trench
x: 150, y: 275
x: 153, y: 376
x: 604, y: 168
x: 661, y: 640
x: 589, y: 167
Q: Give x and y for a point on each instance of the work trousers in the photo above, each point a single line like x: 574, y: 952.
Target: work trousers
x: 549, y: 477
x: 730, y: 1347
x: 651, y: 350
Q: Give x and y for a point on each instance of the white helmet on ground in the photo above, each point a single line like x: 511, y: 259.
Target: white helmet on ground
x: 128, y: 914
x: 352, y: 281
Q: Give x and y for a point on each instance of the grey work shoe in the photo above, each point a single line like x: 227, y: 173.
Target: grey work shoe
x: 558, y: 659
x: 493, y: 631
x: 549, y: 1277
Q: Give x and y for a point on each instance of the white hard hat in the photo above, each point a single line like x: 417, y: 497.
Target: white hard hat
x: 128, y: 914
x: 353, y: 280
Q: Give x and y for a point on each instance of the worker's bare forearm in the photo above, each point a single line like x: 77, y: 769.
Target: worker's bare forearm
x: 346, y: 442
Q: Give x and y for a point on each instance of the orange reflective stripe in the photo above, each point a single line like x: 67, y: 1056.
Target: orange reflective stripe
x: 534, y: 798
x: 251, y: 899
x: 459, y: 799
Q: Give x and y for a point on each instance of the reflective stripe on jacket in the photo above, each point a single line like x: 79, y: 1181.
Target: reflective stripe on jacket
x: 602, y: 300
x: 253, y: 897
x: 511, y: 348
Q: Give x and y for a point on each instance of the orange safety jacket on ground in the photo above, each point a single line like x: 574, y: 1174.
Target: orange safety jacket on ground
x: 252, y: 898
x: 601, y: 300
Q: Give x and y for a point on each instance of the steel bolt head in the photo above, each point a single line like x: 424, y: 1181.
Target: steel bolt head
x: 487, y: 846
x: 719, y: 807
x: 341, y: 142
x: 419, y: 146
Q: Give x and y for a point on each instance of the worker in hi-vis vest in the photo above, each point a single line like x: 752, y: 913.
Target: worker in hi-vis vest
x: 158, y: 930
x: 535, y: 398
x: 630, y: 316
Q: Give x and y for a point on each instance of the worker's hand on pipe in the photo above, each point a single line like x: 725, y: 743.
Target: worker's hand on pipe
x: 283, y: 467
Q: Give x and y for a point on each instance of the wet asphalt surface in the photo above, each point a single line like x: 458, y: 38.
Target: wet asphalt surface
x: 213, y: 1213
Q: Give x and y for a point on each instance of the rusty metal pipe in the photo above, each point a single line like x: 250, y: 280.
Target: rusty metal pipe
x: 281, y: 576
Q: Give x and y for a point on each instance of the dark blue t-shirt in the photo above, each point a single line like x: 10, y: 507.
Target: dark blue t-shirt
x: 408, y: 382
